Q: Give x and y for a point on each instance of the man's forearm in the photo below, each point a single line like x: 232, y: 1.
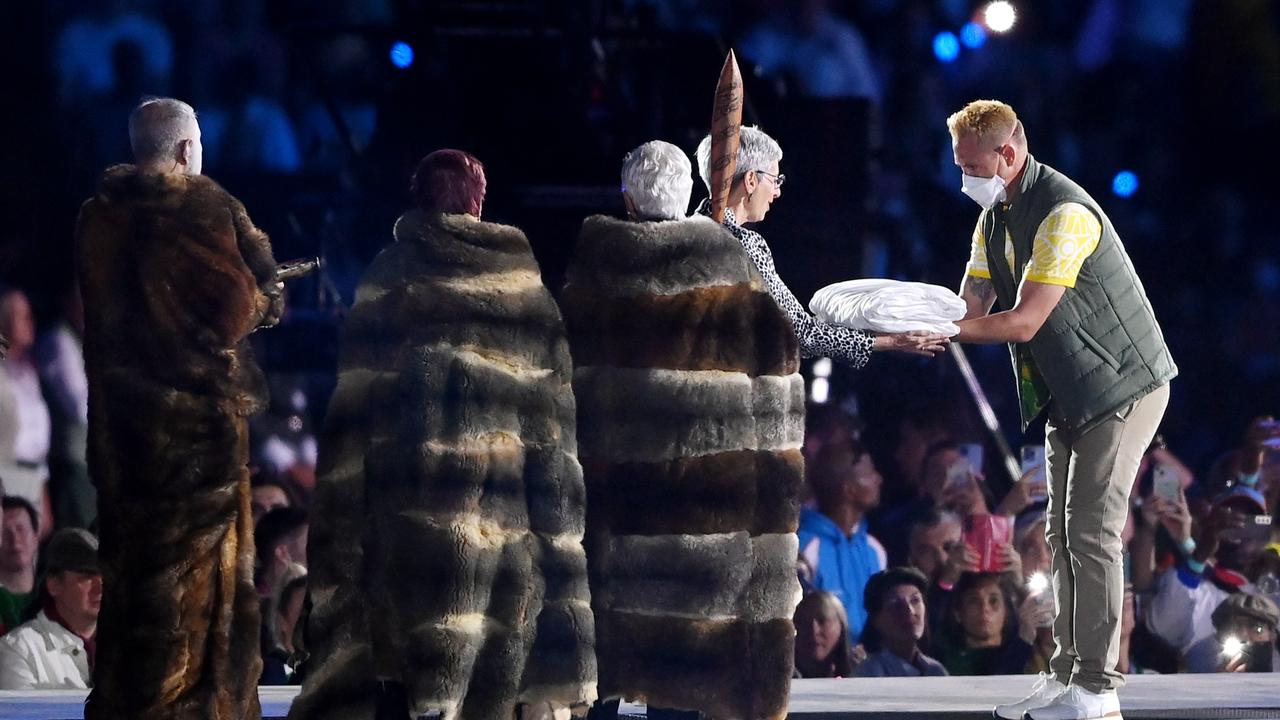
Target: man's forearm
x: 1002, y: 327
x: 1036, y: 301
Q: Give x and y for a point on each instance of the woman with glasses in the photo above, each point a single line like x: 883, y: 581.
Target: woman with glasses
x: 757, y: 183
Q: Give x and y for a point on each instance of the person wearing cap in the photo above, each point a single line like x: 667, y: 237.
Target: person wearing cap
x: 896, y: 626
x: 1247, y: 618
x: 55, y: 651
x: 1213, y: 559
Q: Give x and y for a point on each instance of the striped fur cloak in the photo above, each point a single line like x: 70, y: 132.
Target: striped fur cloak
x: 690, y: 423
x: 445, y: 549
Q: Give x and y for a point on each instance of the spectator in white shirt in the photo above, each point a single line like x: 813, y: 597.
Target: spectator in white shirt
x: 56, y: 649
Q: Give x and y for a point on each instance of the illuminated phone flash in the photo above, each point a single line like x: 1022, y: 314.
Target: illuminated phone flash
x: 1037, y: 583
x: 1232, y: 646
x: 1000, y: 16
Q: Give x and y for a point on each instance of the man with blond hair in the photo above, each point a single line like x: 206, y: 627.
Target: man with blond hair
x: 1087, y: 350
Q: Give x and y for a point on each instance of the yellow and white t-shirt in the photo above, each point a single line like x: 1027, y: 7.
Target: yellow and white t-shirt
x: 1064, y: 240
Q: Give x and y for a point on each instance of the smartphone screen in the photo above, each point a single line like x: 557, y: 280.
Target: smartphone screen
x: 1033, y: 460
x: 958, y: 474
x: 1032, y: 456
x: 973, y: 453
x: 1257, y: 657
x: 1165, y: 483
x: 986, y: 534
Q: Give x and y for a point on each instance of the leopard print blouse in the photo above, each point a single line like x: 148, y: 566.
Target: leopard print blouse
x: 817, y: 338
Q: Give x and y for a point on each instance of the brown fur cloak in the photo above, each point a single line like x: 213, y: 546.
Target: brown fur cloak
x: 446, y: 537
x: 691, y: 418
x: 173, y: 275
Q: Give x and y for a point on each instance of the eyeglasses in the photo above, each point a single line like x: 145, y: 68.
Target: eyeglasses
x: 777, y: 179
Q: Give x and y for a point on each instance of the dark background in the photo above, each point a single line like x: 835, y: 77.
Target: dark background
x: 317, y: 131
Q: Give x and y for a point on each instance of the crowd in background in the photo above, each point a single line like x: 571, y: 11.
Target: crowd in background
x: 914, y: 580
x: 308, y: 121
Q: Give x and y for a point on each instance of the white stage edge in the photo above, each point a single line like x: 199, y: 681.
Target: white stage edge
x: 1189, y: 697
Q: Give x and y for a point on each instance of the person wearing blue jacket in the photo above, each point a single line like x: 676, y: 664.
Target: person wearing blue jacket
x: 839, y: 553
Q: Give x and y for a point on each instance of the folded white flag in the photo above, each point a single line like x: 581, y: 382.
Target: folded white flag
x: 889, y: 306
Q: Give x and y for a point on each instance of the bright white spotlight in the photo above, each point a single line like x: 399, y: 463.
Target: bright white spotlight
x: 822, y: 367
x: 820, y: 392
x: 1000, y: 16
x: 1232, y: 646
x: 1037, y: 583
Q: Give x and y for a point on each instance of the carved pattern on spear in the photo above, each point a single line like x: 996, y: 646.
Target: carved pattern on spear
x: 726, y: 125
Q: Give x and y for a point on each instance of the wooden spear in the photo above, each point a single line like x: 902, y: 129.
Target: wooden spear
x: 726, y: 124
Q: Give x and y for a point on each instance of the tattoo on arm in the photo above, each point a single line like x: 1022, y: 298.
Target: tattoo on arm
x: 979, y: 295
x: 980, y: 288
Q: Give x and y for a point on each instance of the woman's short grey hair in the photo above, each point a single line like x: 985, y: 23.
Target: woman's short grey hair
x: 156, y: 127
x: 756, y: 151
x: 658, y: 178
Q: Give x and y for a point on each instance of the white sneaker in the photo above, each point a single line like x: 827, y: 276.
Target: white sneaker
x: 1080, y: 704
x: 1046, y: 690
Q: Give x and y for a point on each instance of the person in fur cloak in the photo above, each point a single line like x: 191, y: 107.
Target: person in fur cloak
x: 690, y: 425
x: 446, y: 561
x: 174, y: 277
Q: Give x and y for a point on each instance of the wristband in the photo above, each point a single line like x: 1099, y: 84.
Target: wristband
x: 1195, y: 566
x: 1188, y: 546
x: 1248, y: 480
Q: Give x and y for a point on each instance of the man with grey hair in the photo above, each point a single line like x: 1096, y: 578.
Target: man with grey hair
x: 174, y: 277
x: 756, y: 184
x: 165, y: 137
x: 657, y: 181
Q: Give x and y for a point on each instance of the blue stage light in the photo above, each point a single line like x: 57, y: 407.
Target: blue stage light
x: 946, y: 47
x: 1124, y: 184
x: 973, y: 35
x: 402, y: 55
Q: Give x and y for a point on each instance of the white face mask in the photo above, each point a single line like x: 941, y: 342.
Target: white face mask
x: 984, y: 191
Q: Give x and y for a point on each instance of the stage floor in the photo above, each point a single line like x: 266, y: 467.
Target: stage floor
x: 1182, y: 697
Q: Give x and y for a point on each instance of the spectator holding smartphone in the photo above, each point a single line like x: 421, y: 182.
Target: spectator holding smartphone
x: 947, y: 483
x: 1245, y: 626
x: 963, y: 558
x: 1210, y: 571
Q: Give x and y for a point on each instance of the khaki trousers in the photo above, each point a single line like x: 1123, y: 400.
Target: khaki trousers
x: 1090, y: 475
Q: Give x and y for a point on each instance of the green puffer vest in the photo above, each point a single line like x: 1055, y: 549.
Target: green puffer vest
x: 1101, y: 347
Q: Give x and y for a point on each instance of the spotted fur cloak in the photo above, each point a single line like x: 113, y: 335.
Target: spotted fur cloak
x: 690, y: 423
x: 446, y: 537
x: 173, y: 275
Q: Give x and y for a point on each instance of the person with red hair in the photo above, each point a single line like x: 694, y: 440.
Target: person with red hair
x: 449, y: 454
x: 449, y: 181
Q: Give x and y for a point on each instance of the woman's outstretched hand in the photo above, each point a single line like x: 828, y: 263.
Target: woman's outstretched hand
x: 913, y: 343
